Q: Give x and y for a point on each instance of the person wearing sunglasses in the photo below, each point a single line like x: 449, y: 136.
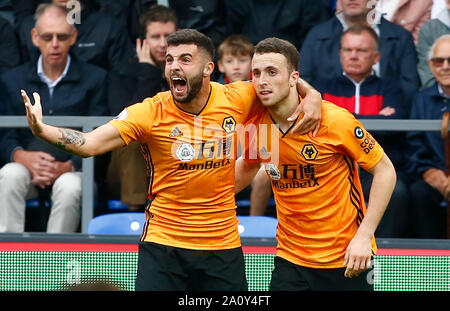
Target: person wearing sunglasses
x: 431, y: 186
x: 34, y: 168
x: 102, y: 40
x: 429, y: 32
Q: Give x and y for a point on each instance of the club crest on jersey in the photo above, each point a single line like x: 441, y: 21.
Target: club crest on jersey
x: 185, y: 152
x: 359, y: 133
x: 229, y: 125
x: 309, y: 152
x: 273, y: 171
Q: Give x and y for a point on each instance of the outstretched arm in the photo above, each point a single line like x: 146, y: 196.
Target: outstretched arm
x: 98, y: 141
x: 359, y: 251
x: 311, y: 106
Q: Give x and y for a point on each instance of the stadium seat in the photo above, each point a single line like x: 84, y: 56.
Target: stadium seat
x: 257, y: 226
x: 117, y: 223
x: 116, y: 205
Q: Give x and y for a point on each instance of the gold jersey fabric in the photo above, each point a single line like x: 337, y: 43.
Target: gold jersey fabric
x: 190, y: 163
x: 316, y: 186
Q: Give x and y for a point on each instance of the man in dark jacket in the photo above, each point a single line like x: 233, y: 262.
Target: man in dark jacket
x: 206, y: 16
x: 427, y: 149
x: 69, y: 87
x: 9, y: 47
x: 319, y: 57
x: 367, y: 96
x: 285, y: 19
x: 102, y: 39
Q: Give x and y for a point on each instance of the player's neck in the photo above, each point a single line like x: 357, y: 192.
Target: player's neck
x: 284, y: 109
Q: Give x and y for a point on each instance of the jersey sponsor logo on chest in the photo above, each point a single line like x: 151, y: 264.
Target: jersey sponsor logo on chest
x: 292, y: 175
x: 202, y: 141
x: 296, y: 175
x: 210, y: 149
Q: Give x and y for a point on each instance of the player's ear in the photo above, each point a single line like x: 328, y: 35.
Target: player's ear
x: 293, y: 78
x: 208, y: 69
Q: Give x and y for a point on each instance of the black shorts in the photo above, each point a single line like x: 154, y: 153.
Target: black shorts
x: 288, y: 276
x: 166, y: 268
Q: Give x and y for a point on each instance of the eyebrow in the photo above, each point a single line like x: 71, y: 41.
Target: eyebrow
x: 182, y: 55
x: 270, y: 67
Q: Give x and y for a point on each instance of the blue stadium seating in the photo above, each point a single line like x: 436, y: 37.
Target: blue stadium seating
x: 132, y: 223
x: 117, y: 223
x: 257, y: 226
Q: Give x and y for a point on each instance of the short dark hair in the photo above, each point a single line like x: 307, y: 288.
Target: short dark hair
x: 192, y: 36
x: 157, y: 13
x: 359, y: 29
x: 280, y: 46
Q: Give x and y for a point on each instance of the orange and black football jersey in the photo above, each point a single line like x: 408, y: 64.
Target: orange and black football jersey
x: 316, y: 186
x: 190, y: 163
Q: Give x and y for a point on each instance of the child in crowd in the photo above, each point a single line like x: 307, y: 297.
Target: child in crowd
x: 235, y: 59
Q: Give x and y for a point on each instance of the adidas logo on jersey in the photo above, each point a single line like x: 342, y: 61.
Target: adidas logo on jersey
x: 176, y: 132
x: 263, y: 153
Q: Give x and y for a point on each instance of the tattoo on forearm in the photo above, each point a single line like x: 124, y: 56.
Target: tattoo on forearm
x: 70, y: 137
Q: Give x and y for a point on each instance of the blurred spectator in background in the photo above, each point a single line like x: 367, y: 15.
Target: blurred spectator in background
x: 410, y: 14
x: 24, y: 8
x: 69, y: 87
x: 319, y: 57
x: 102, y: 39
x: 206, y: 16
x: 6, y: 11
x: 3, y: 95
x: 330, y: 5
x: 130, y: 83
x: 235, y: 59
x: 120, y: 9
x: 427, y: 149
x: 9, y: 47
x: 429, y: 32
x: 367, y: 96
x: 136, y: 9
x: 285, y: 19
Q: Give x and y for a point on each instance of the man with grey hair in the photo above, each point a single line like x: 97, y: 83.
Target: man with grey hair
x: 102, y: 39
x: 427, y: 149
x: 36, y: 169
x: 429, y: 32
x: 320, y: 51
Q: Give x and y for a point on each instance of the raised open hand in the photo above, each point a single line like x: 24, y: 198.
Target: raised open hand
x: 34, y: 112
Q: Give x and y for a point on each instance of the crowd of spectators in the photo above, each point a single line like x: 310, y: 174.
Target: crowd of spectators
x: 378, y: 59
